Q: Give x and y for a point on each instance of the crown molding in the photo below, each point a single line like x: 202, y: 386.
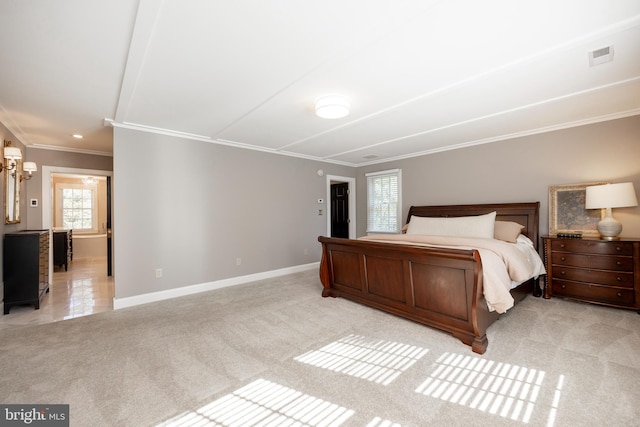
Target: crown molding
x: 69, y: 149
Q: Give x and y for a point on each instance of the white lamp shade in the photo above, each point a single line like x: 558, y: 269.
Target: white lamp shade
x: 611, y: 196
x: 12, y: 153
x: 29, y: 167
x: 332, y: 106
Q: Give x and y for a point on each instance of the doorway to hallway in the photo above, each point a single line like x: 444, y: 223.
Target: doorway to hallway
x: 341, y: 206
x: 340, y: 210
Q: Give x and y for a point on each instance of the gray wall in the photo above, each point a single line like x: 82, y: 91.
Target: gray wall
x: 192, y: 208
x: 521, y: 170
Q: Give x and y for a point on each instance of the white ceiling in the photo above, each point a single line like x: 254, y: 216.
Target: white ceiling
x: 422, y: 76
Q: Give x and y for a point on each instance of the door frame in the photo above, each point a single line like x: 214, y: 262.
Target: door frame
x: 334, y: 179
x: 47, y: 197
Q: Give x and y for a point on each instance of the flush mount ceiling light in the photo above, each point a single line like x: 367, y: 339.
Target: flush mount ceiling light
x: 332, y: 106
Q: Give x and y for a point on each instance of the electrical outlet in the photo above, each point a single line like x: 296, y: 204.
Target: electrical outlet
x: 158, y: 273
x: 238, y: 261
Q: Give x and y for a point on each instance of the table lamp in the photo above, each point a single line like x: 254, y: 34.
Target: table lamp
x: 609, y: 196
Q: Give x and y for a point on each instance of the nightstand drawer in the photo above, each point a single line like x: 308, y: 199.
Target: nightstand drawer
x: 593, y: 247
x: 594, y: 270
x: 611, y: 278
x: 604, y: 294
x: 598, y: 262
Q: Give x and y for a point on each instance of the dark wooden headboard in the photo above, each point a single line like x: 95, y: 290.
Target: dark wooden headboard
x: 526, y: 214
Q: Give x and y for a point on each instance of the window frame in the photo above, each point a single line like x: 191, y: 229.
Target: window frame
x: 371, y: 177
x: 94, y: 206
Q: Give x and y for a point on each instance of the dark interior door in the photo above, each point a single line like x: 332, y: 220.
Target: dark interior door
x: 109, y: 255
x: 340, y: 210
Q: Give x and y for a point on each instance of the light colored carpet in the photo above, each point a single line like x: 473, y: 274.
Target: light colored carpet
x: 276, y: 352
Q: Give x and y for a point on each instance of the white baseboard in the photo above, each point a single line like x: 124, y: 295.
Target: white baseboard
x: 203, y: 287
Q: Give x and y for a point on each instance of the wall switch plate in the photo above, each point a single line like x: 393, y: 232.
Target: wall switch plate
x: 158, y: 273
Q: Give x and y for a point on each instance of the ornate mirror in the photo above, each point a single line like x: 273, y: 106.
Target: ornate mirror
x: 12, y: 167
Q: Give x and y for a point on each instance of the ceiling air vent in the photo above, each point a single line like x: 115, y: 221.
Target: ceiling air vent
x: 370, y: 157
x: 600, y: 56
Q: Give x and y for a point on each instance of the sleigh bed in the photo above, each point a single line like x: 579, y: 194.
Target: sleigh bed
x: 436, y: 285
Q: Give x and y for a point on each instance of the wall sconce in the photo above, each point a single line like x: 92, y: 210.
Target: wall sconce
x: 609, y: 196
x: 11, y: 157
x: 29, y: 168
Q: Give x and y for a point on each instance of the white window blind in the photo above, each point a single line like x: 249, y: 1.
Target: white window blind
x: 384, y: 204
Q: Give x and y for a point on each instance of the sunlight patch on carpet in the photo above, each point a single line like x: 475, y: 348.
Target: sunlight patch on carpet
x: 503, y: 389
x: 556, y: 402
x: 375, y: 360
x: 264, y: 403
x: 379, y: 422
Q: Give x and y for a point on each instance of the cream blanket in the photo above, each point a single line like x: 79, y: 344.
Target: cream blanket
x: 502, y: 263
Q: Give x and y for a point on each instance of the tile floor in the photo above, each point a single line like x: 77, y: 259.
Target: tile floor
x: 82, y: 290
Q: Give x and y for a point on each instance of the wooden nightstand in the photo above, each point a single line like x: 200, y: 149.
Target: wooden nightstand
x: 593, y: 270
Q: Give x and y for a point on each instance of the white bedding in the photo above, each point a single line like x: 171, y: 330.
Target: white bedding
x: 525, y: 245
x: 504, y: 265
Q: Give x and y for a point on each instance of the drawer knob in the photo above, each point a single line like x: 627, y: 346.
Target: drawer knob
x: 564, y: 286
x: 562, y: 245
x: 563, y: 258
x: 563, y: 272
x: 619, y: 279
x: 618, y: 248
x: 618, y: 263
x: 619, y: 294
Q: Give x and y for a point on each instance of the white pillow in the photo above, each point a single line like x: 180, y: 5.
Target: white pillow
x: 464, y: 226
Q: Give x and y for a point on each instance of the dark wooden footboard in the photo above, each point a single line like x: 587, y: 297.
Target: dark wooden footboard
x: 437, y: 287
x: 434, y: 286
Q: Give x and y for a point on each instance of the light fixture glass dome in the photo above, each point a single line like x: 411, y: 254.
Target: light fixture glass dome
x: 332, y: 106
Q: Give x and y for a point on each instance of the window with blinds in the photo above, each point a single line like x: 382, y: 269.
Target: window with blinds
x: 384, y: 204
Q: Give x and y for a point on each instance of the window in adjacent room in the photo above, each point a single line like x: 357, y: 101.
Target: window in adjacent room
x: 77, y: 207
x: 384, y: 204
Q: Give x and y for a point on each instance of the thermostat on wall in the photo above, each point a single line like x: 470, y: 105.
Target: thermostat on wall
x: 33, y: 203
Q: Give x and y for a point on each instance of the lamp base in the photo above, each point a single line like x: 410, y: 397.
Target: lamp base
x: 609, y: 228
x: 609, y: 238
